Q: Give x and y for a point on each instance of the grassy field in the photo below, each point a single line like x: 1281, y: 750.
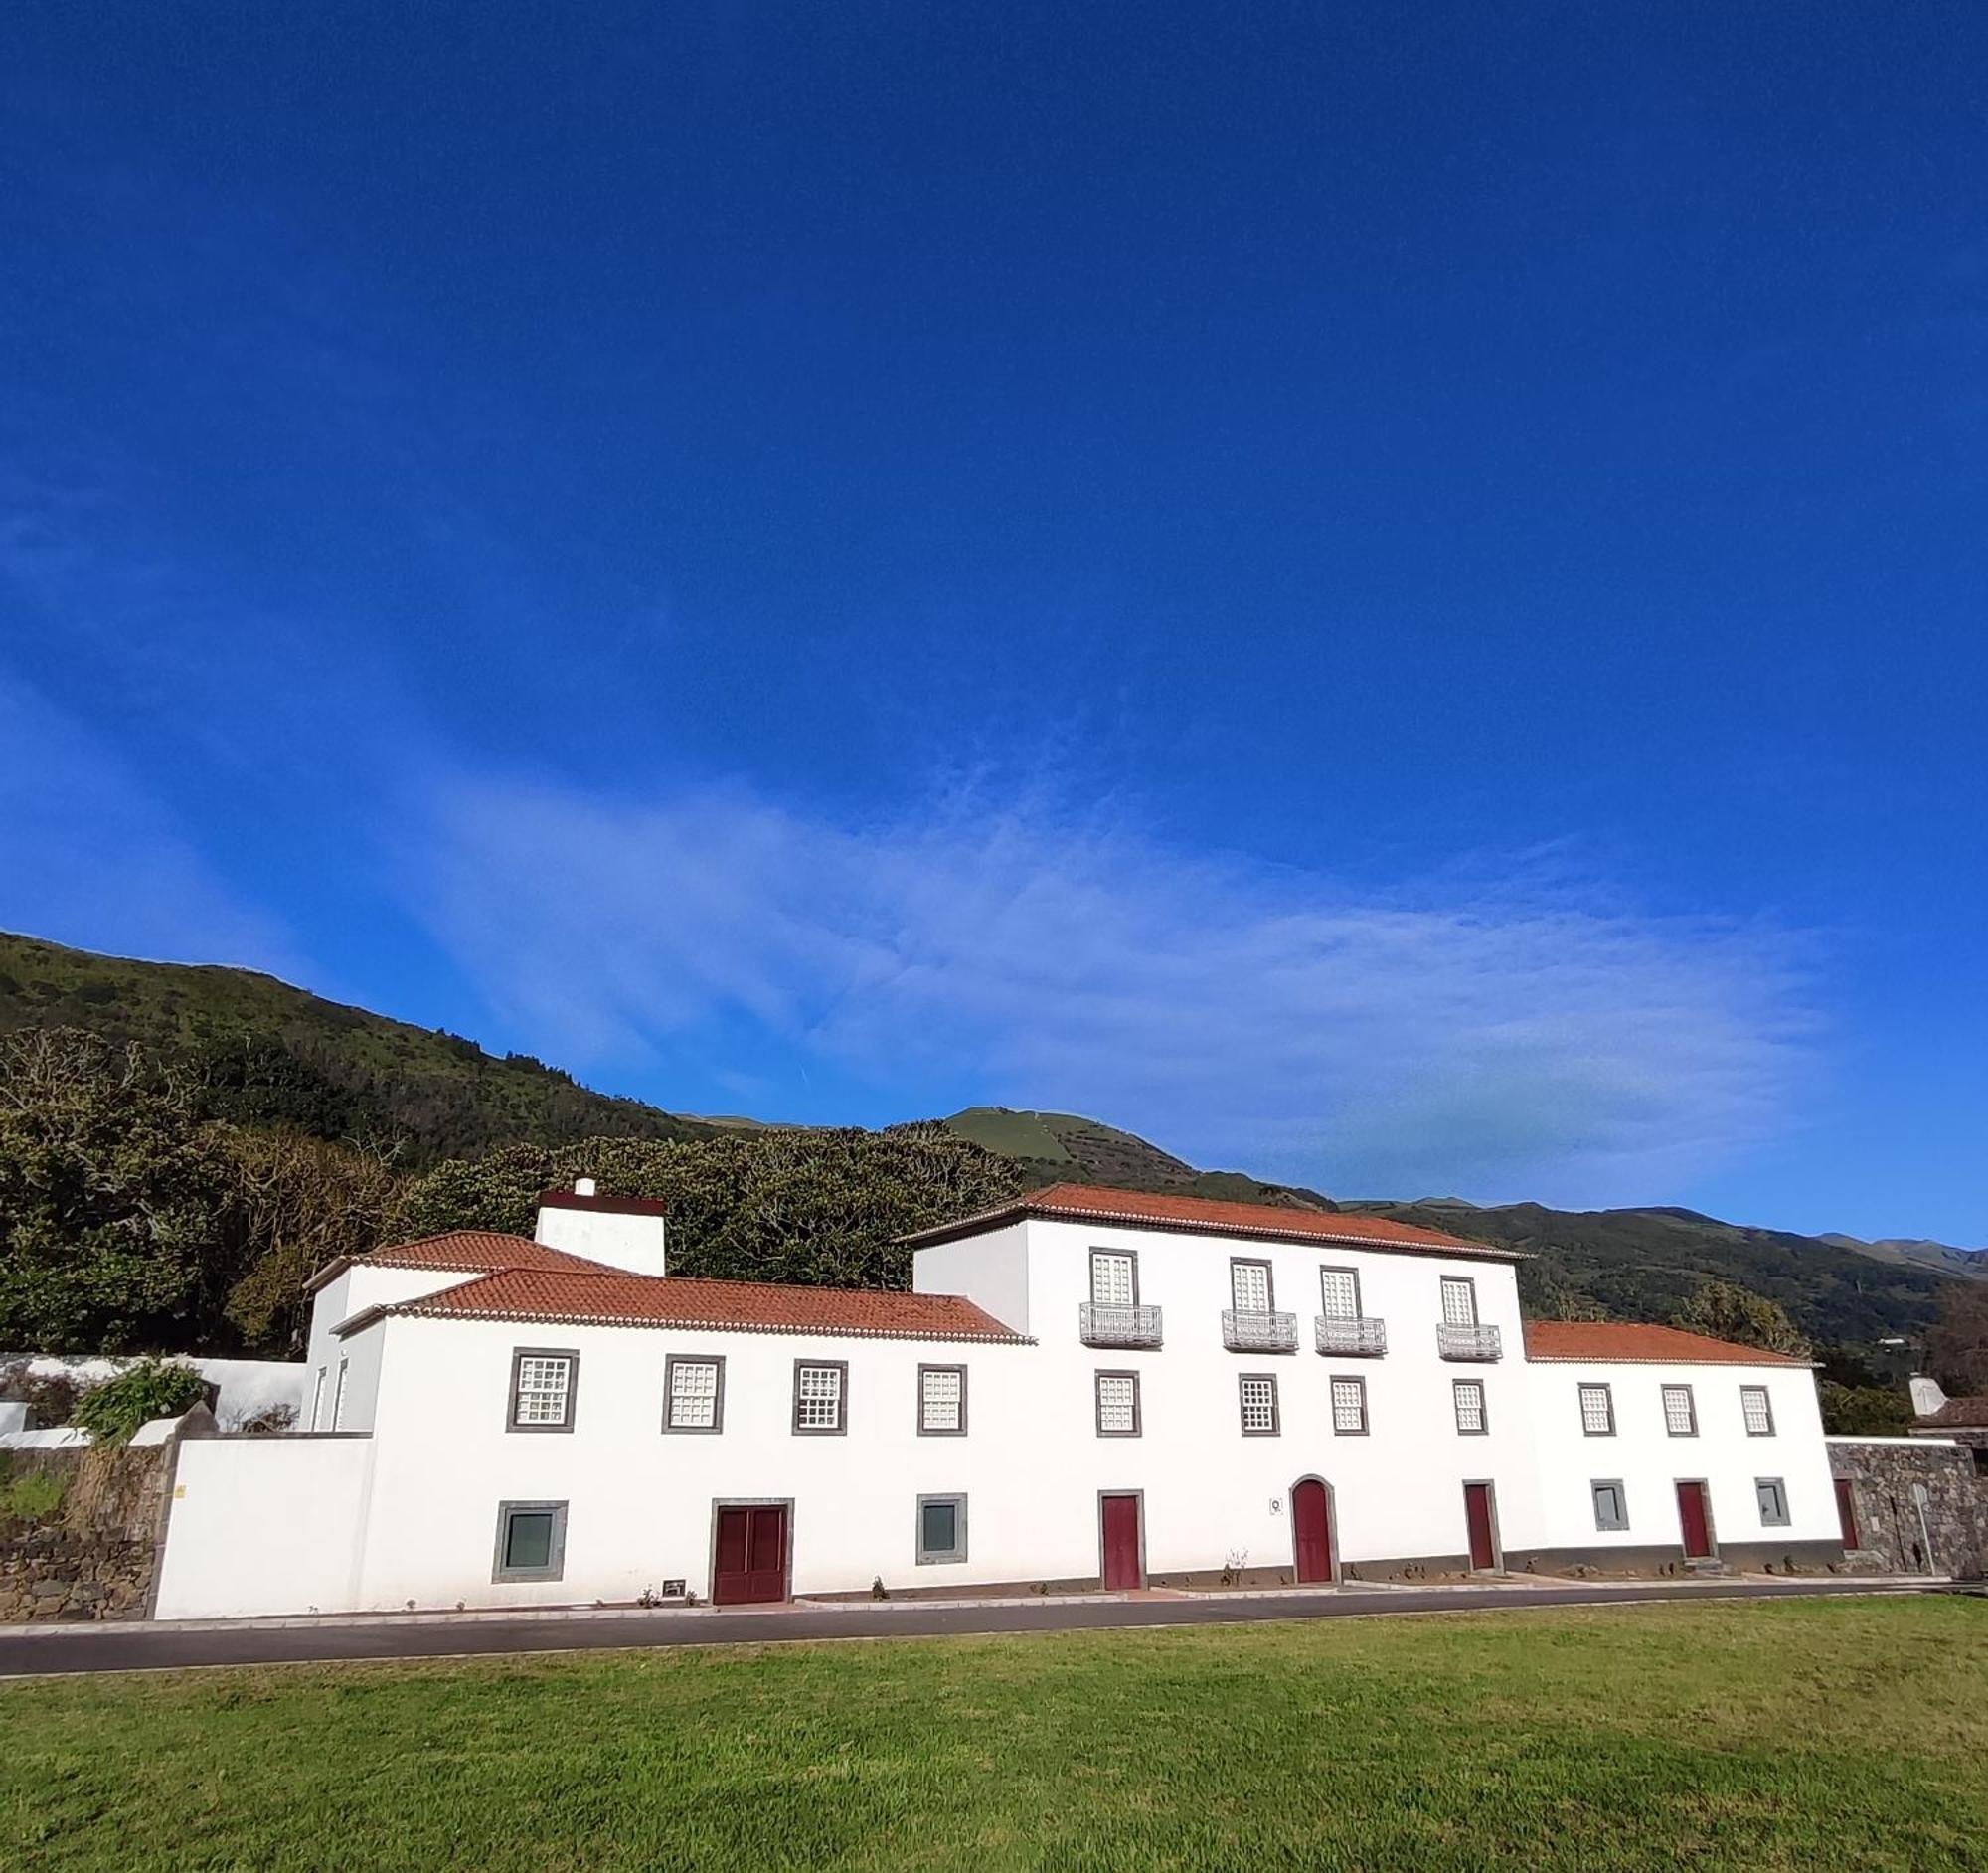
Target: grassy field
x: 1815, y: 1735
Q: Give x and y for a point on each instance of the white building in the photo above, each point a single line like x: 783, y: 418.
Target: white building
x: 1087, y: 1387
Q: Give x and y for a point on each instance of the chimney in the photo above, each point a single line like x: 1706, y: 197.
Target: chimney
x: 1927, y: 1396
x: 623, y: 1232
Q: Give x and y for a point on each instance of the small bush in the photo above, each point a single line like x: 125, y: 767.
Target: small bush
x: 33, y: 1497
x: 271, y: 1421
x: 152, y: 1387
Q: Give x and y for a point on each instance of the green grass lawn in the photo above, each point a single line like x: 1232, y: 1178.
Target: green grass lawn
x: 1809, y: 1734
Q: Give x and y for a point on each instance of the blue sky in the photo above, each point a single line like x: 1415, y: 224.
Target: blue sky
x: 1386, y: 596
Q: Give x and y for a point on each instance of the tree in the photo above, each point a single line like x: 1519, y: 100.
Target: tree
x: 111, y: 1198
x: 1727, y: 1312
x: 1957, y: 1343
x: 1865, y: 1410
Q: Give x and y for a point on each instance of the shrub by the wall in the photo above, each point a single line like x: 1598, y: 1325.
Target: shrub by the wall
x: 153, y: 1388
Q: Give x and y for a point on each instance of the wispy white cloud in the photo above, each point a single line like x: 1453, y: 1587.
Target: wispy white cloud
x: 1516, y: 1034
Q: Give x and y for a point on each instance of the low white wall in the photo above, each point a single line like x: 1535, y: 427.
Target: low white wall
x: 246, y: 1386
x: 263, y: 1525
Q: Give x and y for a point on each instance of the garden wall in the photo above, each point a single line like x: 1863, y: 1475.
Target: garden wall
x: 1896, y: 1534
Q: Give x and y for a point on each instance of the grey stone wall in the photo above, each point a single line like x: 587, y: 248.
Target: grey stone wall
x: 1889, y: 1538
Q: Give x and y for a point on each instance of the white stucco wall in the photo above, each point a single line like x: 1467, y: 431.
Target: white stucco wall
x: 991, y: 1271
x: 244, y: 1387
x: 635, y: 1243
x: 346, y: 1295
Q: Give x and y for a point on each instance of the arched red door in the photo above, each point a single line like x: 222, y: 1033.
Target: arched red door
x: 1311, y: 1525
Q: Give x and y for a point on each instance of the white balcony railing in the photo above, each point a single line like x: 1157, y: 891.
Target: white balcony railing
x: 1246, y: 1330
x: 1100, y: 1323
x: 1351, y: 1336
x: 1468, y: 1342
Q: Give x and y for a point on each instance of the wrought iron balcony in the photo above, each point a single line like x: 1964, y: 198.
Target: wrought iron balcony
x: 1351, y: 1336
x: 1247, y: 1330
x: 1108, y: 1324
x: 1468, y: 1342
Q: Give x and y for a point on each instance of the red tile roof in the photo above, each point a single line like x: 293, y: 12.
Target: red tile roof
x: 1209, y: 1216
x: 472, y: 1250
x: 1626, y: 1343
x: 612, y: 1298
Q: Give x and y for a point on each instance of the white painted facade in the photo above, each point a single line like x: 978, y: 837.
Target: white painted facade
x: 402, y: 1508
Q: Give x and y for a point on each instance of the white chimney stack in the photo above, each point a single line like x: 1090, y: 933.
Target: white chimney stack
x: 623, y: 1232
x: 1927, y: 1396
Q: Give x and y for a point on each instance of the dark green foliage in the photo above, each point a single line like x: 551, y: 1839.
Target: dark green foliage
x: 152, y: 1387
x: 1865, y: 1410
x: 1957, y: 1346
x: 1727, y: 1313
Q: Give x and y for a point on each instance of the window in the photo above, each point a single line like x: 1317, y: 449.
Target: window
x: 1114, y: 1279
x: 1249, y: 1287
x: 942, y: 1401
x: 1773, y: 1498
x: 1460, y: 1301
x: 1117, y: 1404
x: 694, y: 1392
x: 1258, y: 1394
x: 819, y: 1404
x: 317, y: 1398
x: 338, y: 1397
x: 1611, y: 1506
x: 1468, y: 1395
x: 1348, y: 1407
x: 942, y: 1529
x: 1679, y: 1414
x: 542, y: 1382
x: 1758, y: 1414
x: 1597, y: 1411
x: 1339, y: 1293
x: 531, y: 1541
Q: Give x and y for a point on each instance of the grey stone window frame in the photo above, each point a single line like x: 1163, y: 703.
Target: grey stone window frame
x: 1359, y: 1383
x: 1276, y: 1428
x: 943, y: 1556
x: 554, y: 1568
x: 840, y: 1427
x: 519, y: 1354
x: 1608, y: 1392
x: 1690, y: 1409
x: 1121, y: 1255
x: 1098, y: 1402
x: 1353, y: 1275
x: 1613, y: 1522
x: 1766, y: 1399
x: 1448, y: 1283
x: 1269, y: 1281
x: 670, y: 1365
x: 941, y: 1430
x: 1457, y: 1388
x: 1777, y: 1487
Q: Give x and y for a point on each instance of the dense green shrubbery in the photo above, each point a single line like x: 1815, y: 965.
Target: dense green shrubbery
x: 153, y: 1388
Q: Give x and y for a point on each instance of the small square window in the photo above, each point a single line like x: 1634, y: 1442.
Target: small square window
x: 942, y: 1529
x: 1611, y: 1506
x: 1679, y: 1414
x: 531, y: 1542
x: 942, y: 1401
x: 543, y: 1383
x: 694, y: 1392
x: 1117, y: 1404
x: 820, y: 1407
x: 1469, y: 1396
x: 1258, y: 1393
x: 1348, y: 1407
x: 1774, y: 1498
x: 1757, y: 1411
x: 1597, y: 1411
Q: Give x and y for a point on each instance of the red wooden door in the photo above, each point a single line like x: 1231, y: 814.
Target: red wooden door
x: 752, y: 1560
x: 1478, y: 1514
x: 1691, y: 1517
x: 1846, y: 1511
x: 1311, y: 1521
x: 1122, y: 1566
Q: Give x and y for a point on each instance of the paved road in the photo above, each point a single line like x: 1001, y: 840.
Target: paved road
x: 65, y: 1650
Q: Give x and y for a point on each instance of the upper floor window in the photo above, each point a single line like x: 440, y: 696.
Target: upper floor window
x: 1468, y: 1397
x: 820, y: 1401
x: 1460, y: 1301
x: 1339, y: 1293
x: 543, y: 1381
x: 942, y: 1401
x: 1757, y: 1411
x: 694, y: 1392
x: 1679, y: 1414
x: 1597, y: 1411
x: 1258, y: 1394
x: 1117, y: 1404
x: 1114, y: 1279
x: 1249, y: 1287
x: 338, y: 1396
x: 1348, y: 1407
x: 317, y: 1398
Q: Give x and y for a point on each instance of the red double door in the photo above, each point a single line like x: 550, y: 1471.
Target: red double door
x: 750, y: 1563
